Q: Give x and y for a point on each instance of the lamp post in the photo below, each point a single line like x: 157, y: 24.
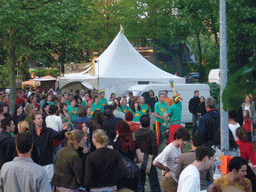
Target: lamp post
x: 223, y: 77
x: 97, y: 62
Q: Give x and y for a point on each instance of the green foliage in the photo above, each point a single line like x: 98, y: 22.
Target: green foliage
x: 242, y: 82
x: 210, y: 54
x: 44, y: 72
x: 241, y: 33
x: 4, y: 73
x: 215, y: 92
x: 54, y: 72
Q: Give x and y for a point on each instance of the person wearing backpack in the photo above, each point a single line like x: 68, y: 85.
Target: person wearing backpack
x: 126, y: 146
x: 147, y: 142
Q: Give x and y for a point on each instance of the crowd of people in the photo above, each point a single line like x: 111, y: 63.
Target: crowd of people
x: 77, y: 143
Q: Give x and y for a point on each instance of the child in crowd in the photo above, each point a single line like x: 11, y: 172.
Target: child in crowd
x: 247, y: 124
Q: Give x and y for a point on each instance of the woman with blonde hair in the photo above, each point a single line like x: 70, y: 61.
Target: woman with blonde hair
x: 104, y: 167
x: 23, y: 126
x: 68, y: 173
x: 30, y: 110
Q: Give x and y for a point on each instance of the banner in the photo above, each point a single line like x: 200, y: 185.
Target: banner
x: 76, y: 67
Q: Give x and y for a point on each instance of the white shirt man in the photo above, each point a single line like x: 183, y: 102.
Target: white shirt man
x: 189, y: 180
x: 168, y: 159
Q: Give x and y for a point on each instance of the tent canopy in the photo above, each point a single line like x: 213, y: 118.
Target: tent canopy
x: 119, y: 67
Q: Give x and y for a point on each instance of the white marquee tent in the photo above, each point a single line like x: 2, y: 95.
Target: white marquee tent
x: 119, y: 67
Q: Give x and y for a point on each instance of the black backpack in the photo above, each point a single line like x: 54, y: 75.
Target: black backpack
x: 133, y: 169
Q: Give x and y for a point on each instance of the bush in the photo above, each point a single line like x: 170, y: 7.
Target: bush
x: 52, y: 72
x: 215, y: 92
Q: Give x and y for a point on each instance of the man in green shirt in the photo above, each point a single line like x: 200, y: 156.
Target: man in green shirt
x: 173, y: 113
x: 159, y: 111
x: 102, y: 99
x: 145, y: 109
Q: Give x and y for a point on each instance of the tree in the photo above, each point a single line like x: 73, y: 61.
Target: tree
x: 25, y: 28
x: 148, y: 19
x: 201, y: 18
x: 241, y: 33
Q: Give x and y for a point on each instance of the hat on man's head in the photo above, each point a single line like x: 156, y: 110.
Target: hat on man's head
x: 89, y: 99
x: 101, y: 91
x: 176, y: 98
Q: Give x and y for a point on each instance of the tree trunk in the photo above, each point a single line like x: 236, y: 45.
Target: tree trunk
x: 11, y: 62
x: 155, y: 61
x: 180, y: 52
x: 215, y: 33
x: 200, y: 54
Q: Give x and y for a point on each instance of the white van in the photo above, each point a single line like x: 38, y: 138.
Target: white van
x: 186, y: 92
x: 214, y: 76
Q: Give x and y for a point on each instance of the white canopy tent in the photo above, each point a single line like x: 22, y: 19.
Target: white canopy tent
x: 119, y: 67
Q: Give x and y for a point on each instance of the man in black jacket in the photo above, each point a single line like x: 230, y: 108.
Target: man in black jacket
x: 193, y: 108
x: 147, y: 142
x: 209, y: 123
x: 7, y: 142
x: 45, y: 139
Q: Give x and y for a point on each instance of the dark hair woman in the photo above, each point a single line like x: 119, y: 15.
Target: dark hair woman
x: 136, y: 110
x: 64, y: 114
x: 18, y: 116
x: 95, y: 123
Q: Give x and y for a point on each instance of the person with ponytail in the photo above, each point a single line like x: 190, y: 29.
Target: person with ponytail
x: 104, y: 167
x: 127, y: 147
x: 124, y: 142
x: 68, y: 165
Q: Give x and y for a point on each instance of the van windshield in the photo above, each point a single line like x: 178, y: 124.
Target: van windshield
x: 135, y: 93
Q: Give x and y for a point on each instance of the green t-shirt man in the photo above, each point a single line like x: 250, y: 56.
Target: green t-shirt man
x: 145, y: 109
x: 174, y: 112
x: 160, y: 108
x: 103, y: 102
x: 96, y: 107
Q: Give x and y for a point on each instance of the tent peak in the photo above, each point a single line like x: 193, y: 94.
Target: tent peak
x: 121, y: 29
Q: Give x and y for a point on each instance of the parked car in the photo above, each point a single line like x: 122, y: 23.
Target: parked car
x: 214, y: 76
x: 194, y: 77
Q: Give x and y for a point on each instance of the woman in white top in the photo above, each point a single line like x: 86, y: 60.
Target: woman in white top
x: 247, y: 105
x: 55, y: 122
x: 232, y: 124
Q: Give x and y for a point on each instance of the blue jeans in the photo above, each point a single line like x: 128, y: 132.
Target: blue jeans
x: 153, y: 180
